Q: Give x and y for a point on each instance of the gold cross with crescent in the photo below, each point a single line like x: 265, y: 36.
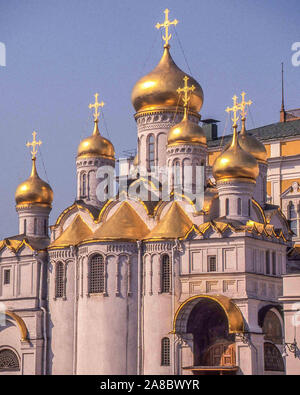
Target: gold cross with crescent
x: 234, y: 109
x: 186, y: 89
x: 243, y: 105
x: 96, y: 105
x: 166, y: 25
x: 34, y: 144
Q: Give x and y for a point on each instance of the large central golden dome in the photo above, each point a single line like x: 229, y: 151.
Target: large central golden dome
x: 186, y: 132
x: 235, y: 163
x: 158, y: 89
x: 96, y: 146
x: 34, y: 190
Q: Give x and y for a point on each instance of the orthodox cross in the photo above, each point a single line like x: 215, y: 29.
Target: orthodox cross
x: 234, y: 109
x: 34, y: 144
x: 166, y: 25
x: 186, y: 96
x: 243, y: 105
x: 96, y: 105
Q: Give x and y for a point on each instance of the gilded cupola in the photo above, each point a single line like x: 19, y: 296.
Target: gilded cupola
x: 186, y: 132
x: 247, y: 142
x: 235, y: 163
x: 96, y: 145
x: 34, y: 191
x: 158, y: 89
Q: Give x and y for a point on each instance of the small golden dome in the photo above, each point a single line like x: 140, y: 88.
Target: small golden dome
x: 158, y: 89
x: 235, y: 163
x: 34, y: 190
x: 252, y: 145
x: 95, y: 146
x: 186, y: 132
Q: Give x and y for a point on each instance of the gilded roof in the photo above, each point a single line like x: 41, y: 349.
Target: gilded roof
x: 34, y: 190
x: 96, y: 146
x: 186, y: 132
x: 158, y: 89
x: 174, y: 225
x: 124, y: 224
x: 234, y: 163
x: 76, y: 232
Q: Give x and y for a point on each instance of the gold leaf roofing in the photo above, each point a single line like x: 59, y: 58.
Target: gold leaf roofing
x: 124, y: 224
x: 76, y: 232
x: 175, y: 224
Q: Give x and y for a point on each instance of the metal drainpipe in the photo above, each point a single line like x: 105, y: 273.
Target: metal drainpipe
x: 45, y: 340
x: 139, y: 341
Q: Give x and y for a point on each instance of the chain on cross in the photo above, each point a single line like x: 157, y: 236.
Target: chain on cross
x: 186, y: 90
x: 34, y: 145
x: 166, y: 25
x: 96, y: 105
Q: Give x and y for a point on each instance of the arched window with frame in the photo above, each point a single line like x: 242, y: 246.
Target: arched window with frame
x: 165, y: 351
x: 96, y: 275
x: 239, y: 202
x: 227, y: 206
x: 273, y: 358
x: 25, y: 227
x: 9, y: 361
x: 151, y: 151
x: 176, y: 174
x: 35, y: 226
x: 83, y: 185
x: 165, y: 274
x: 292, y: 214
x: 45, y: 227
x: 59, y: 280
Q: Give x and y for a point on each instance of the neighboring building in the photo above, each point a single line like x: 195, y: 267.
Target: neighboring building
x: 144, y: 286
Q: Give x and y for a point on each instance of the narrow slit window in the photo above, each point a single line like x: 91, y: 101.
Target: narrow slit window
x: 59, y: 280
x: 165, y: 351
x: 166, y: 274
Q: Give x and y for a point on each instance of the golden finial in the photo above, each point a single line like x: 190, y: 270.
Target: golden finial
x: 96, y: 105
x: 166, y: 25
x: 34, y: 144
x: 234, y: 109
x: 186, y: 97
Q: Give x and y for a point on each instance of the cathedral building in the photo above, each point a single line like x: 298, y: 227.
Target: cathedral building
x: 138, y: 283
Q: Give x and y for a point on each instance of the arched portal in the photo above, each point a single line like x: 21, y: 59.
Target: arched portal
x: 211, y: 321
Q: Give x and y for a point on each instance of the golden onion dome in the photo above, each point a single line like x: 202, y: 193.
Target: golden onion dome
x: 158, y: 89
x: 95, y: 146
x: 252, y: 145
x: 186, y: 132
x: 235, y: 163
x: 34, y: 190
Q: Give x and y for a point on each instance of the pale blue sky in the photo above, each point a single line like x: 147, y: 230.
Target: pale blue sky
x: 60, y: 52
